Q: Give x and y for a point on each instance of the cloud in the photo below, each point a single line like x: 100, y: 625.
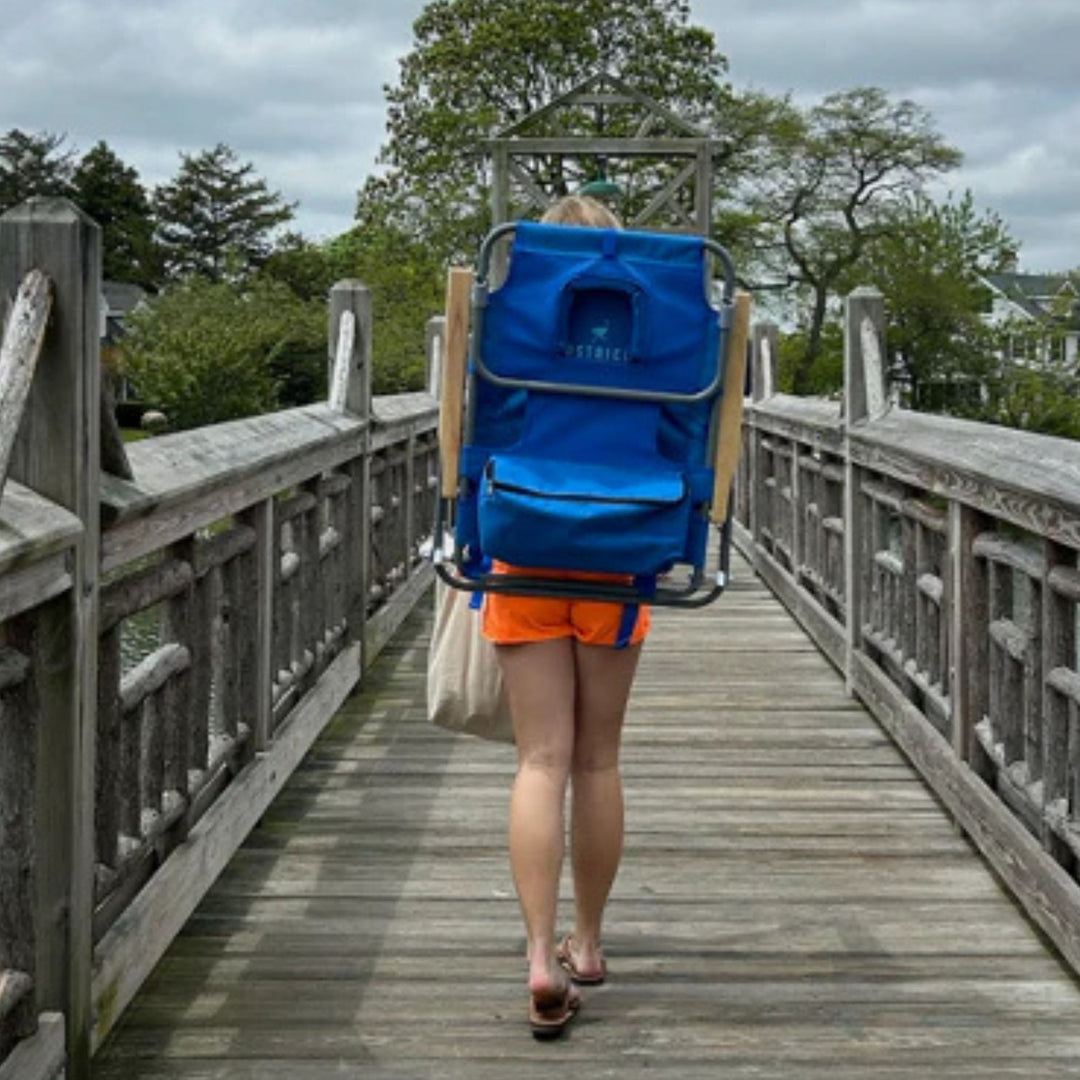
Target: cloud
x: 1001, y: 80
x: 298, y: 88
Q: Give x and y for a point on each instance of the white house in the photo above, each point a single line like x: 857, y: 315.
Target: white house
x: 1047, y: 300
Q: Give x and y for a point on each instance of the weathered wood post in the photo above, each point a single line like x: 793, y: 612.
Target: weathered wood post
x: 763, y: 372
x: 351, y: 299
x: 434, y: 336
x: 57, y: 453
x: 864, y: 399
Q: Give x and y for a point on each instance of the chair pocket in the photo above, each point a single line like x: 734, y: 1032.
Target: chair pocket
x: 568, y: 516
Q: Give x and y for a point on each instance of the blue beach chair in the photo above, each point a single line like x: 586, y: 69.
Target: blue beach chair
x: 598, y: 426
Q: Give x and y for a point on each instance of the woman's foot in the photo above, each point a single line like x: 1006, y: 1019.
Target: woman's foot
x: 553, y: 1001
x: 584, y: 962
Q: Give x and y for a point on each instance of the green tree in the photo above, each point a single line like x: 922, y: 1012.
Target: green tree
x: 216, y: 217
x: 826, y: 375
x: 479, y: 65
x: 928, y: 265
x: 1037, y: 389
x: 838, y: 174
x: 207, y: 351
x: 305, y: 267
x: 110, y: 192
x: 33, y: 164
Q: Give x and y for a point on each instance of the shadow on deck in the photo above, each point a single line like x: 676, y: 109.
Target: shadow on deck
x: 793, y: 903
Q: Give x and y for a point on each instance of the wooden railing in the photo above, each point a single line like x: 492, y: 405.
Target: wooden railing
x: 935, y: 561
x: 171, y: 644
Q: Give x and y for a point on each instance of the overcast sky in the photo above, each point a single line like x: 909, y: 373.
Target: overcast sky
x: 296, y: 88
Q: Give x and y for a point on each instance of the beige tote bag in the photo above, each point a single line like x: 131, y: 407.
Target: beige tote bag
x: 464, y: 684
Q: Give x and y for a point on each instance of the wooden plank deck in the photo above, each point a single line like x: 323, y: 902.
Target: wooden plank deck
x: 793, y: 902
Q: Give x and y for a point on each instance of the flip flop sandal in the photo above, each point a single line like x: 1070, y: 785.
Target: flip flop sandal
x: 565, y: 957
x: 549, y: 1015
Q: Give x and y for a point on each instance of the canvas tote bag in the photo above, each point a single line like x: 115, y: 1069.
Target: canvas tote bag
x: 464, y: 684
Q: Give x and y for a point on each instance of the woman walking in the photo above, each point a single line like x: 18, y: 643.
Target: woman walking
x: 568, y: 666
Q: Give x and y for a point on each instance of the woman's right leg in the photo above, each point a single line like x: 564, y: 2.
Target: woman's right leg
x: 539, y: 678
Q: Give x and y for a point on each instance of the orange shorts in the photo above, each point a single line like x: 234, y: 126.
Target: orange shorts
x: 514, y: 620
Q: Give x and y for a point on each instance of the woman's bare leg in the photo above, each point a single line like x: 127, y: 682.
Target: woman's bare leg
x: 604, y: 676
x: 539, y: 679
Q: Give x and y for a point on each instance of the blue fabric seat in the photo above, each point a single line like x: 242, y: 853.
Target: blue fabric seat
x: 594, y: 378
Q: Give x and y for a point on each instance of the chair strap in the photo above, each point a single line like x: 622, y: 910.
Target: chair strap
x: 626, y: 625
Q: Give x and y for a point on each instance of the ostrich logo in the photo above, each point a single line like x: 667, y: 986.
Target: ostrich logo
x: 598, y: 345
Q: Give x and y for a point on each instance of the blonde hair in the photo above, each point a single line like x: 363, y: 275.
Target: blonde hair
x: 580, y: 210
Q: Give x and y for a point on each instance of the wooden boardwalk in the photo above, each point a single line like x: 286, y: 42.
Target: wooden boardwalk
x: 793, y: 902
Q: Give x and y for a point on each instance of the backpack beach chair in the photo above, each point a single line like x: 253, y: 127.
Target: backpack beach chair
x: 596, y: 427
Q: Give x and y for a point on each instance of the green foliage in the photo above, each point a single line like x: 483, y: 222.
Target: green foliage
x: 33, y: 164
x: 478, y: 66
x: 215, y: 218
x: 838, y: 173
x: 206, y: 351
x: 1030, y: 383
x: 825, y: 376
x: 306, y: 268
x: 110, y: 192
x: 1043, y: 397
x: 927, y: 265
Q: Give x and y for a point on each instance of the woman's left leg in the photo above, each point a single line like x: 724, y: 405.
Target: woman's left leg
x: 604, y: 677
x: 539, y: 678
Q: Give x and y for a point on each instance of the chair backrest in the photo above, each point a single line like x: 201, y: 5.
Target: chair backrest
x: 599, y: 309
x: 596, y: 364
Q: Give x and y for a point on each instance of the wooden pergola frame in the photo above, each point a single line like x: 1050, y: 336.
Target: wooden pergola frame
x: 689, y: 144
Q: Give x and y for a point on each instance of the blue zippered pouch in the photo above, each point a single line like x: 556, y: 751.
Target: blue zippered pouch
x: 541, y: 513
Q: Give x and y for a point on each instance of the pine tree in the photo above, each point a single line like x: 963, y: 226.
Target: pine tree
x: 216, y: 217
x: 33, y: 164
x: 110, y: 192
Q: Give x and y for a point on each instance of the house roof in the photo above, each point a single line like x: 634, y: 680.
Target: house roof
x: 1040, y: 296
x: 122, y: 297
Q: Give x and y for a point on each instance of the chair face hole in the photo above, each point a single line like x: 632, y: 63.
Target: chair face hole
x: 600, y: 326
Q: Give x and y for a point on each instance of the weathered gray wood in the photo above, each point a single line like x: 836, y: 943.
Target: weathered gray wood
x: 143, y: 589
x: 21, y: 590
x: 177, y: 699
x: 1029, y: 480
x: 864, y: 356
x: 19, y: 352
x: 200, y: 648
x: 40, y: 1057
x: 135, y: 943
x: 1048, y: 894
x: 864, y: 399
x: 434, y: 338
x: 620, y: 147
x: 192, y: 479
x: 32, y: 528
x: 151, y: 674
x: 57, y: 454
x: 114, y: 458
x: 228, y: 670
x: 109, y: 773
x: 764, y: 370
x: 18, y: 825
x: 1058, y: 659
x: 770, y: 919
x: 354, y: 394
x: 151, y: 763
x: 341, y: 360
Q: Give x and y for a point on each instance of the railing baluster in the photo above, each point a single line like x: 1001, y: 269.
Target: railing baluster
x: 109, y: 743
x: 18, y: 785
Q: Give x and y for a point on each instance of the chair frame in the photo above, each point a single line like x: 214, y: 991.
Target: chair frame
x: 466, y: 301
